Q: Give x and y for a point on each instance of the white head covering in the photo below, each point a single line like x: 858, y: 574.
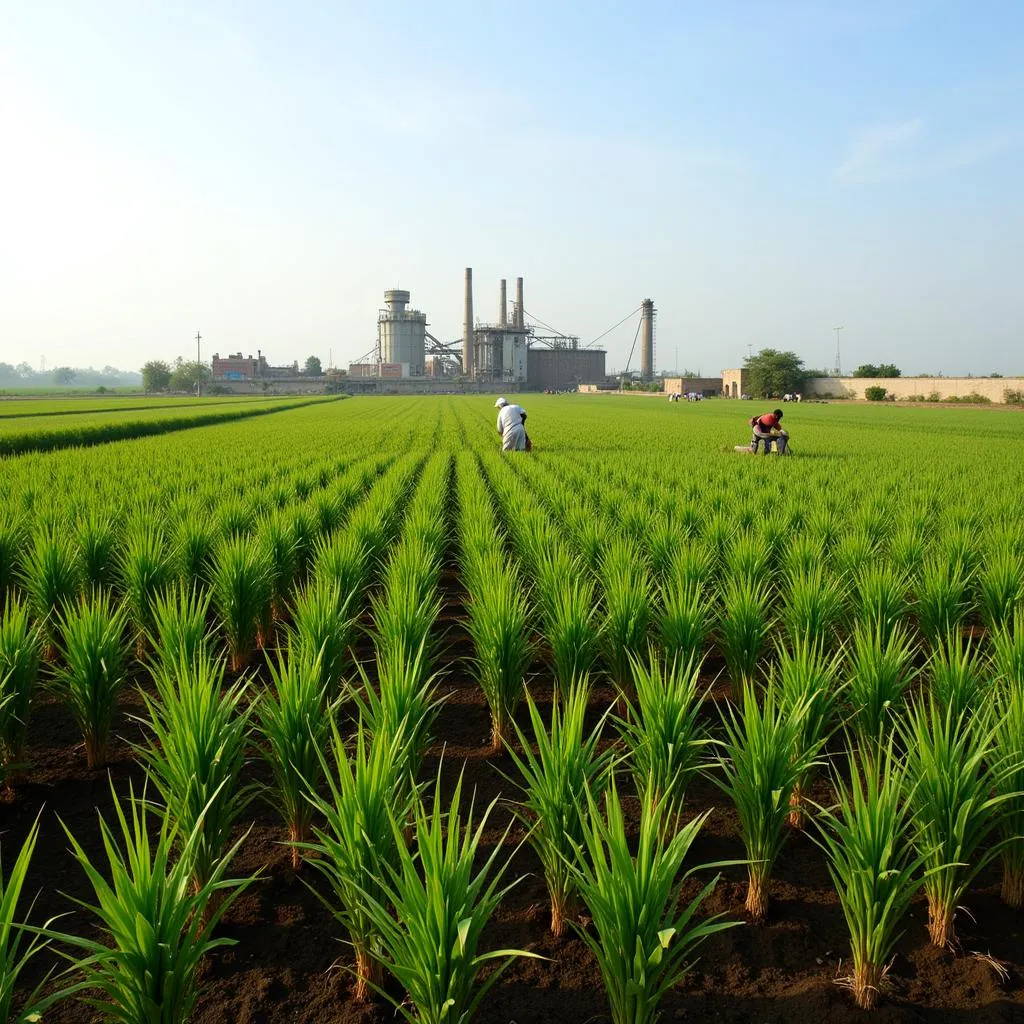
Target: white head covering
x: 501, y: 402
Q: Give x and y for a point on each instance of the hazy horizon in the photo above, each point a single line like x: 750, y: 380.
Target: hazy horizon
x: 763, y: 171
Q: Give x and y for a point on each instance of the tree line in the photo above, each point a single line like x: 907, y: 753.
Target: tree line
x: 772, y: 374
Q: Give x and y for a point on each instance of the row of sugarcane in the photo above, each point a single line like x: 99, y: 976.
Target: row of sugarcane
x: 303, y: 573
x: 227, y: 477
x: 952, y: 744
x: 32, y: 436
x: 151, y: 547
x: 737, y: 591
x: 168, y: 894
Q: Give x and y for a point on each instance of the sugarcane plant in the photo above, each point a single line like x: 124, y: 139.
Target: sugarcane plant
x: 444, y: 893
x: 404, y: 622
x: 323, y: 627
x: 343, y: 560
x: 567, y: 762
x: 565, y: 595
x: 954, y: 783
x: 194, y: 539
x: 874, y: 858
x: 808, y: 681
x: 291, y: 722
x: 684, y: 619
x: 1008, y: 753
x: 662, y: 728
x: 51, y: 577
x: 880, y: 668
x: 759, y: 764
x: 180, y: 631
x: 628, y: 606
x: 144, y: 569
x: 12, y: 543
x: 242, y: 585
x: 1001, y: 587
x: 274, y: 536
x: 402, y: 708
x: 744, y: 623
x: 958, y: 674
x: 196, y: 755
x: 942, y: 599
x: 357, y: 846
x: 21, y: 649
x: 18, y: 945
x: 157, y: 925
x: 813, y: 608
x: 499, y: 625
x: 92, y: 674
x: 1007, y: 650
x: 96, y: 538
x: 879, y: 595
x: 645, y: 933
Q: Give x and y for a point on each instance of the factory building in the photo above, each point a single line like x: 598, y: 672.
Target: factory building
x: 401, y: 334
x: 510, y: 352
x: 241, y: 368
x: 559, y: 369
x: 503, y: 353
x: 499, y: 349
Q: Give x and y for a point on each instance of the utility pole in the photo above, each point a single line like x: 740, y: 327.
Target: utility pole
x: 199, y: 366
x: 839, y: 365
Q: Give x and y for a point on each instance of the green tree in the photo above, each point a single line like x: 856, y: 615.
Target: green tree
x: 313, y: 368
x: 156, y: 376
x: 875, y: 393
x: 63, y: 376
x: 771, y: 373
x: 185, y: 375
x: 882, y: 370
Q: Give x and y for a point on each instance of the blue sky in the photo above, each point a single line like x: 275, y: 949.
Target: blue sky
x: 764, y: 171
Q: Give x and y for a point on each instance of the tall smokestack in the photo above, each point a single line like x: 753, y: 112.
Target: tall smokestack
x: 467, y: 329
x: 503, y: 305
x: 647, y: 339
x: 519, y: 302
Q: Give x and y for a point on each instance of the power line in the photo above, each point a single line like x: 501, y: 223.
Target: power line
x: 610, y: 329
x: 548, y: 326
x: 633, y: 346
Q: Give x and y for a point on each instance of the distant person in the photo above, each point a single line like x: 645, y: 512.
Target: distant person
x: 511, y: 420
x: 766, y: 429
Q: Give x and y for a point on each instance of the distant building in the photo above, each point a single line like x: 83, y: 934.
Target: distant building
x: 706, y: 386
x: 239, y: 367
x: 391, y: 370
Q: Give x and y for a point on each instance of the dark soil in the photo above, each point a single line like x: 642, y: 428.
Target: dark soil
x: 288, y: 964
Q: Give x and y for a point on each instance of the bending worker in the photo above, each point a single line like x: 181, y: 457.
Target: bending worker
x: 768, y: 428
x: 510, y: 425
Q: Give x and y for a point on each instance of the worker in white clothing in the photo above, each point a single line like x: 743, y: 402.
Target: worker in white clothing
x: 510, y: 425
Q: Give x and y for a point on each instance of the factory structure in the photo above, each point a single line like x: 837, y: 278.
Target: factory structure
x: 507, y: 353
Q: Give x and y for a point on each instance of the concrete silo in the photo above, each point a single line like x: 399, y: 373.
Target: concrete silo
x: 401, y: 333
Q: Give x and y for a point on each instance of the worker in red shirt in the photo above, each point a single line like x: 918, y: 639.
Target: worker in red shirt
x: 766, y: 429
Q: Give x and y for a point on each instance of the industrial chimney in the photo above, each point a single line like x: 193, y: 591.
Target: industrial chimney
x: 646, y: 339
x: 519, y: 302
x: 467, y: 329
x: 503, y: 305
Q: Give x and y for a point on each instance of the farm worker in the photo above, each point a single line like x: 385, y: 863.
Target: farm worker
x: 768, y: 428
x: 510, y: 425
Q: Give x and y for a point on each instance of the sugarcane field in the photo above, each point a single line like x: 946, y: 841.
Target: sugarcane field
x: 331, y: 709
